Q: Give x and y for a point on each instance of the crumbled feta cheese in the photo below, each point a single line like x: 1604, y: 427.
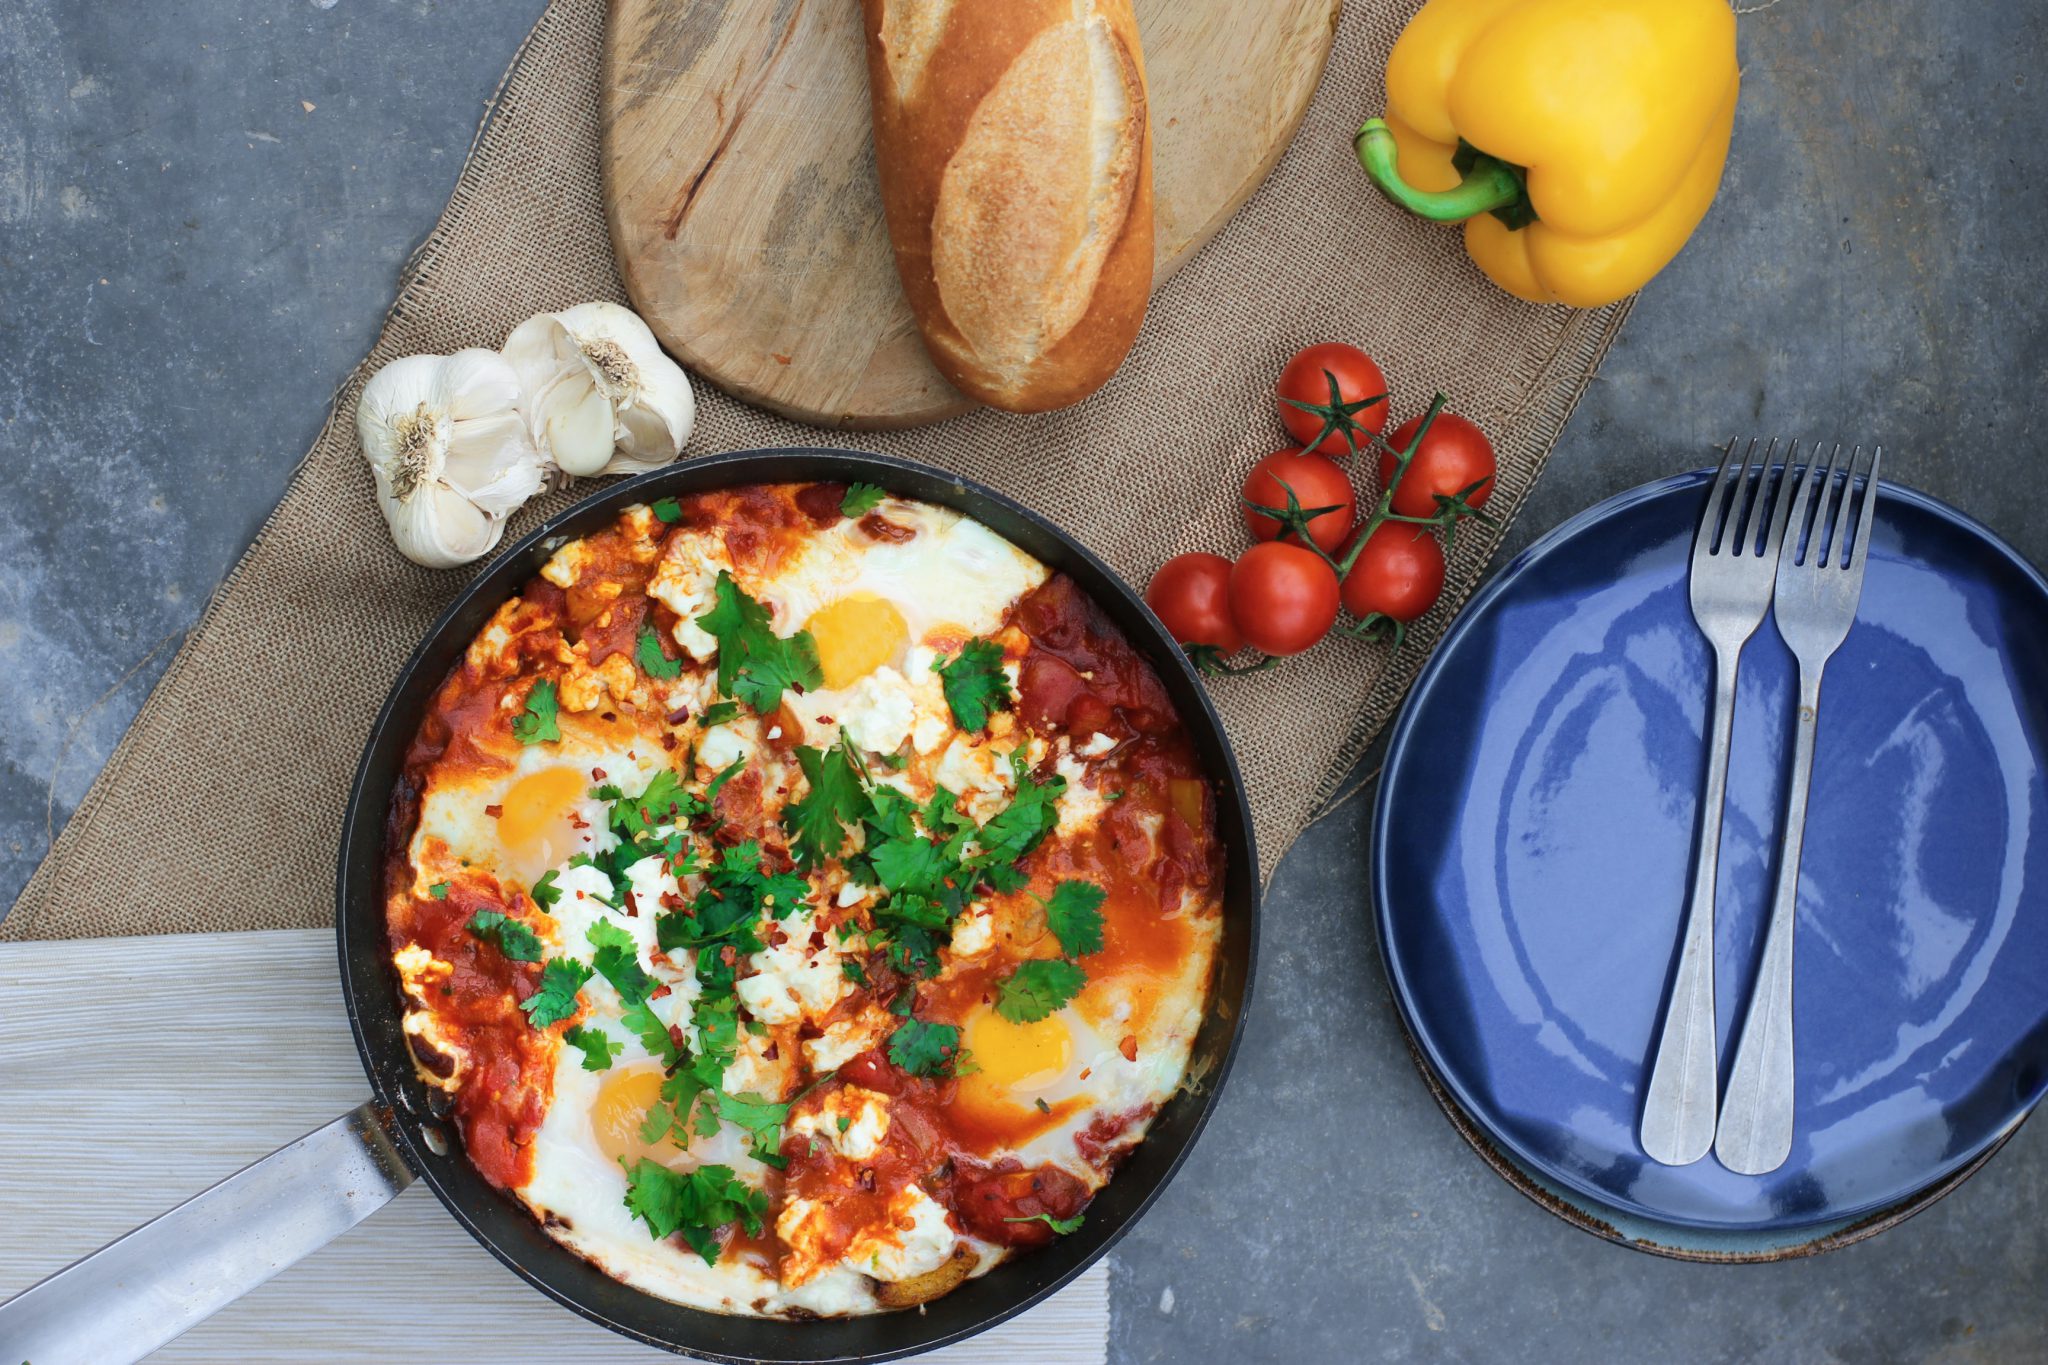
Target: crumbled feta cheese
x: 852, y: 1120
x: 1080, y: 805
x: 686, y: 582
x: 723, y: 745
x: 973, y: 932
x: 566, y: 565
x: 979, y: 774
x: 791, y: 980
x: 878, y: 712
x: 916, y: 1240
x: 840, y: 1044
x: 853, y: 893
x: 929, y: 732
x: 1098, y: 744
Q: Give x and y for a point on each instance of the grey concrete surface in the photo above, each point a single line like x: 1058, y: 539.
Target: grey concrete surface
x: 191, y: 260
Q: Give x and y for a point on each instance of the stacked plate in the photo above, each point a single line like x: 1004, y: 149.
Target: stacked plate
x: 1534, y: 842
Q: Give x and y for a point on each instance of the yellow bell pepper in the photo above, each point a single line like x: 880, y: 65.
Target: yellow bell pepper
x: 1580, y: 141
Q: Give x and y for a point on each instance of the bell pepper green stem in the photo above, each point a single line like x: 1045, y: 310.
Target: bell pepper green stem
x: 1489, y: 184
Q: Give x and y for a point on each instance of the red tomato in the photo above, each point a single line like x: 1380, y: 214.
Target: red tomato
x: 1316, y: 481
x: 1361, y: 396
x: 1283, y: 597
x: 1399, y: 574
x: 1191, y: 597
x: 1452, y: 457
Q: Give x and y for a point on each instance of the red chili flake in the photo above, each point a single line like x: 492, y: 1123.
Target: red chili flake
x: 1129, y: 1047
x: 867, y: 1179
x: 609, y: 715
x: 658, y: 991
x: 679, y: 715
x: 578, y: 822
x: 833, y: 720
x: 773, y: 1052
x: 668, y: 741
x: 597, y: 774
x: 1084, y: 1072
x: 496, y: 812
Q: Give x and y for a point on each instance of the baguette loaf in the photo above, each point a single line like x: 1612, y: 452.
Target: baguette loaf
x: 1015, y: 154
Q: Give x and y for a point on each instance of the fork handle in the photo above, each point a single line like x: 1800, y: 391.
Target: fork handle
x: 1678, y: 1110
x: 1756, y: 1118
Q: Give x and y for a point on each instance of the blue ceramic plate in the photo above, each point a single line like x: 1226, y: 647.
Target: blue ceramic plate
x: 1534, y: 836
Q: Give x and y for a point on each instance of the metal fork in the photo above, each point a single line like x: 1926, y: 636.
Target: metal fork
x: 1731, y: 590
x: 1819, y: 585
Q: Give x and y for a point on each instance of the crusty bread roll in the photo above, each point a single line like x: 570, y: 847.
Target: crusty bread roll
x: 1015, y: 154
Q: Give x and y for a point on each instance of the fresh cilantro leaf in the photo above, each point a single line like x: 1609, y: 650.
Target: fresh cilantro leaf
x: 1074, y: 914
x: 652, y: 1033
x: 761, y: 1119
x: 754, y: 663
x: 860, y: 500
x: 617, y: 962
x: 1038, y: 988
x: 439, y: 891
x: 514, y: 940
x: 662, y: 802
x: 853, y: 971
x: 974, y: 683
x: 555, y: 1001
x: 1062, y: 1226
x: 536, y: 725
x: 816, y: 822
x: 908, y: 864
x: 924, y: 1049
x: 695, y: 1203
x: 845, y: 1122
x: 652, y: 661
x: 1018, y: 828
x: 718, y: 713
x: 545, y: 893
x: 667, y: 511
x: 599, y: 1049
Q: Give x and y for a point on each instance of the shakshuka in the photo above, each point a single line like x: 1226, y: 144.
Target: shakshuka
x: 802, y: 898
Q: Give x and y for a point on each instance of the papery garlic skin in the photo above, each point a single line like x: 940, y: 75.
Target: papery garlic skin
x: 601, y: 396
x: 450, y: 453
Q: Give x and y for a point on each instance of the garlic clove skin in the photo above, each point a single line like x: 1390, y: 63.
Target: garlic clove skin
x: 449, y: 452
x: 601, y: 395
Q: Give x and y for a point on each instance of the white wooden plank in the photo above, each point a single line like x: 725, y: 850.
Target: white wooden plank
x: 136, y: 1072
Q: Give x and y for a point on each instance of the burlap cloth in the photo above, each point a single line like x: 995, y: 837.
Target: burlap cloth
x: 222, y: 806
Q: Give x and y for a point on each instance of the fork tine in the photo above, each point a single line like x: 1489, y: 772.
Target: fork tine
x: 1838, y: 531
x: 1783, y: 499
x: 1717, y: 497
x: 1866, y: 514
x: 1754, y: 509
x: 1810, y: 476
x: 1817, y: 554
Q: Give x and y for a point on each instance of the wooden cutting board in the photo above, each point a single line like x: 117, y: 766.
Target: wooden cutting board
x: 739, y: 179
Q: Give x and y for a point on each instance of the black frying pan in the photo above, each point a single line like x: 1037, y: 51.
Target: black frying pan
x: 173, y: 1272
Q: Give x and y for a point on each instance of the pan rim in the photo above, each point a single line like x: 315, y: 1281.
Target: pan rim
x: 502, y: 576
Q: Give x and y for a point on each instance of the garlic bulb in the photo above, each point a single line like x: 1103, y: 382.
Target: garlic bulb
x: 600, y: 395
x: 449, y: 451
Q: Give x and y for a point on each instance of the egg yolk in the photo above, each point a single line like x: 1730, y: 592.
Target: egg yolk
x: 855, y: 636
x: 1014, y: 1059
x: 534, y: 818
x: 621, y: 1107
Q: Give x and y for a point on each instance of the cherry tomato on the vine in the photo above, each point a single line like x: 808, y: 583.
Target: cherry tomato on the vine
x: 1399, y: 574
x: 1453, y: 456
x: 1283, y: 597
x: 1191, y: 597
x: 1316, y: 481
x: 1360, y: 404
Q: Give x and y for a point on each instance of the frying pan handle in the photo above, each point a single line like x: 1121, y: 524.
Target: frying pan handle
x: 130, y: 1297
